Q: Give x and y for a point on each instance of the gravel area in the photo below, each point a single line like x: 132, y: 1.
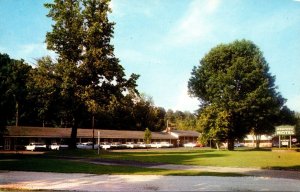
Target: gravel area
x: 89, y: 182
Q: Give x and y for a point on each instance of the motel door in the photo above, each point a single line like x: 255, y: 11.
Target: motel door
x: 7, y: 144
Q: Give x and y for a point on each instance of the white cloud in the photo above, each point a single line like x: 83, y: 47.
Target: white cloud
x: 195, y: 25
x: 184, y: 102
x: 211, y: 6
x: 121, y: 8
x: 29, y: 49
x: 132, y: 56
x: 116, y: 7
x: 30, y: 52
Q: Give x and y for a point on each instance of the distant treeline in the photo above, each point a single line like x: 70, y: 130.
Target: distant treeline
x: 30, y: 96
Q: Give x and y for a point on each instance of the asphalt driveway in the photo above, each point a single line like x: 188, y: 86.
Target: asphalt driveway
x: 90, y: 182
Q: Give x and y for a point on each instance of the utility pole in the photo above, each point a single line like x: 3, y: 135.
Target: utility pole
x: 98, y: 142
x: 93, y: 126
x: 17, y: 113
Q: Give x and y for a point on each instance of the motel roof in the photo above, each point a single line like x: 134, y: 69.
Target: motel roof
x: 47, y: 132
x: 183, y: 133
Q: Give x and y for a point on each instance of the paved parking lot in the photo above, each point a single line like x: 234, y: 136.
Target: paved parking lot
x: 90, y: 182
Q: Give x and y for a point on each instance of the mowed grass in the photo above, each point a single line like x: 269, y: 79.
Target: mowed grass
x: 205, y: 157
x: 240, y: 158
x: 48, y: 164
x: 52, y: 161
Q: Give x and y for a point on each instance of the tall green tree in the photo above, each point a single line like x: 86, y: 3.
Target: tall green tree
x: 235, y: 78
x: 66, y: 40
x: 147, y: 136
x: 187, y: 122
x: 213, y: 123
x: 17, y: 88
x: 297, y: 127
x: 90, y: 74
x: 101, y: 73
x: 181, y: 120
x: 6, y: 99
x: 44, y: 91
x: 147, y: 115
x: 14, y: 77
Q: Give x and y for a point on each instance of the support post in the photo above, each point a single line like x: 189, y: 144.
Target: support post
x: 98, y: 142
x: 93, y: 126
x: 290, y: 141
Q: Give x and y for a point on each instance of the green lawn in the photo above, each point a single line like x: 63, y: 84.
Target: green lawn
x: 51, y: 161
x: 239, y: 158
x: 50, y: 164
x: 257, y: 159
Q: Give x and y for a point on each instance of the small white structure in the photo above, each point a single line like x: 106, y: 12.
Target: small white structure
x: 35, y: 146
x: 166, y: 144
x: 189, y: 145
x: 86, y: 145
x: 265, y: 140
x: 182, y: 136
x: 56, y: 146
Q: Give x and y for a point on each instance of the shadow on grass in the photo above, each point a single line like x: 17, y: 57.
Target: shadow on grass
x: 127, y: 158
x: 163, y: 156
x: 40, y: 164
x: 285, y: 168
x: 246, y: 149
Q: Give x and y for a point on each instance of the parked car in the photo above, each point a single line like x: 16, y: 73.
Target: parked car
x: 56, y: 146
x: 117, y: 145
x: 155, y: 145
x: 131, y: 145
x: 35, y: 146
x: 239, y: 145
x: 190, y: 145
x: 86, y: 145
x: 105, y: 146
x: 166, y: 144
x: 143, y: 145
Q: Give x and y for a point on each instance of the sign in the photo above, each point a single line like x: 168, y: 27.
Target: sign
x: 285, y: 143
x: 294, y: 140
x: 285, y: 130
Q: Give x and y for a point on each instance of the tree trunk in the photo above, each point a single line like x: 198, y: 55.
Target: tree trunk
x: 17, y: 113
x: 73, y: 134
x: 257, y: 142
x: 230, y: 144
x: 217, y: 145
x: 93, y: 126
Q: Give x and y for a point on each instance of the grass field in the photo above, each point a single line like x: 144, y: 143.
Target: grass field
x: 41, y: 163
x: 206, y: 157
x: 51, y: 161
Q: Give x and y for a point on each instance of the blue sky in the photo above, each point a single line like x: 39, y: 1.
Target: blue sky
x: 163, y: 39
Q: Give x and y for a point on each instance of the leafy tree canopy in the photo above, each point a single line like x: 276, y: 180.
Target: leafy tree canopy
x: 235, y: 80
x: 90, y: 74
